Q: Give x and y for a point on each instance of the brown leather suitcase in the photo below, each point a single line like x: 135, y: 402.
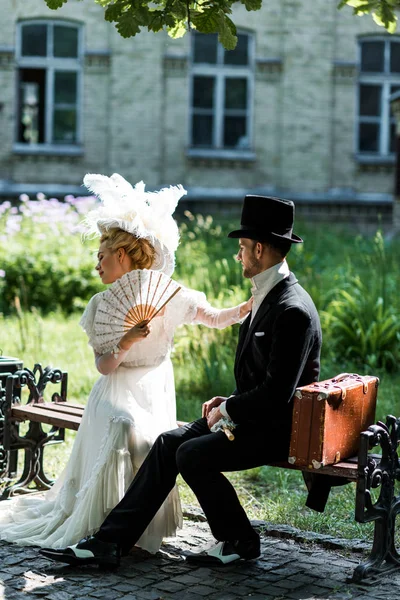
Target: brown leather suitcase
x: 328, y: 417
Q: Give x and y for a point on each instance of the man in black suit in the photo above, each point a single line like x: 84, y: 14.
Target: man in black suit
x: 278, y: 350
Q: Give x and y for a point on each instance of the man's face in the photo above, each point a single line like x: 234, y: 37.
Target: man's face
x: 248, y: 256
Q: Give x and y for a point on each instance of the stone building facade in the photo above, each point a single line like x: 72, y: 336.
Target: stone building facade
x: 300, y: 109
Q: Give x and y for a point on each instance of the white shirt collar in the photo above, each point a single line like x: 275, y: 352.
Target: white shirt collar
x: 267, y: 279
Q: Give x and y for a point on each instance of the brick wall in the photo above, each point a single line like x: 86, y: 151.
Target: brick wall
x: 136, y: 96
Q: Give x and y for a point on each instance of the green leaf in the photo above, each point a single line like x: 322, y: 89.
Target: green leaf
x: 128, y: 25
x: 178, y: 31
x: 385, y: 18
x: 107, y: 2
x: 169, y: 19
x: 358, y: 3
x: 227, y: 33
x: 179, y: 10
x: 113, y: 12
x: 359, y: 6
x: 156, y: 20
x: 252, y: 4
x: 54, y: 4
x: 207, y: 21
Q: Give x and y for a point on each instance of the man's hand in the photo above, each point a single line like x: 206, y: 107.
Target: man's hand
x: 213, y: 416
x: 213, y: 403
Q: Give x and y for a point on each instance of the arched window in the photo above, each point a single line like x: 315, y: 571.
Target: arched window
x: 221, y: 93
x: 379, y: 77
x: 49, y: 57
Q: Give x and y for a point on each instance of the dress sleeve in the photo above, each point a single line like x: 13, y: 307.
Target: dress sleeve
x: 192, y: 307
x: 217, y: 318
x: 87, y: 319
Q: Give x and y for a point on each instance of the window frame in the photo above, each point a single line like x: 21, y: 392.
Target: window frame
x: 51, y: 65
x: 221, y: 72
x: 385, y: 80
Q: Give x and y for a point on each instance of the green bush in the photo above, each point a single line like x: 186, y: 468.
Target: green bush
x: 362, y: 328
x: 352, y: 279
x: 43, y: 261
x: 362, y: 321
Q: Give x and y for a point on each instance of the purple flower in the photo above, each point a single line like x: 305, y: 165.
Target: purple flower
x: 2, y: 273
x: 4, y: 206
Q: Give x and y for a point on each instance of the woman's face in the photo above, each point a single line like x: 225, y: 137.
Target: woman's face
x: 109, y: 267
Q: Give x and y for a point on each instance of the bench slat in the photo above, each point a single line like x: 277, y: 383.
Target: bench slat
x: 340, y: 469
x: 70, y: 404
x: 61, y: 407
x: 38, y: 415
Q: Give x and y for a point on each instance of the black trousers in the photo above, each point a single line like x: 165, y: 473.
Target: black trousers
x: 200, y: 456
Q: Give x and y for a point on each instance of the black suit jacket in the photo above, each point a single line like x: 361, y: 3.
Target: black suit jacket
x: 278, y: 351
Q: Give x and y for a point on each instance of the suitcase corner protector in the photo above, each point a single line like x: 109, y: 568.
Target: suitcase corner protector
x: 316, y: 464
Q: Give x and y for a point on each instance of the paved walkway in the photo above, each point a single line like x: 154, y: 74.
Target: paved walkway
x: 289, y: 569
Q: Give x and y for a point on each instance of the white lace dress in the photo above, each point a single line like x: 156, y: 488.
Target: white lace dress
x: 125, y: 412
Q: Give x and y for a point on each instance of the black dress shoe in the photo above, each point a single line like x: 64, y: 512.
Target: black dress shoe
x: 89, y: 551
x: 225, y: 553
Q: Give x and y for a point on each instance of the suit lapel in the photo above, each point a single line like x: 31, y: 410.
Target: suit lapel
x: 242, y: 334
x: 269, y: 300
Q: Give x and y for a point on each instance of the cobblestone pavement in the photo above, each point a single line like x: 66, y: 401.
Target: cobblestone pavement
x: 297, y: 567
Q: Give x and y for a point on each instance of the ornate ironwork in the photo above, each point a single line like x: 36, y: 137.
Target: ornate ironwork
x: 35, y: 439
x: 8, y: 458
x: 4, y: 454
x: 375, y: 471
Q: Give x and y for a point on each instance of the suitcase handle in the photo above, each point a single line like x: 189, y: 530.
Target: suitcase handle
x: 343, y: 376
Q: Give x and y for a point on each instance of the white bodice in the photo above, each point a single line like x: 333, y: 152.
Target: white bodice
x: 182, y: 309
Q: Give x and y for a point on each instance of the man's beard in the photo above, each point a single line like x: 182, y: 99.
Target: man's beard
x: 252, y: 268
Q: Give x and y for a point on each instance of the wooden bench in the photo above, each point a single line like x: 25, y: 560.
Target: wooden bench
x: 368, y: 470
x: 58, y: 413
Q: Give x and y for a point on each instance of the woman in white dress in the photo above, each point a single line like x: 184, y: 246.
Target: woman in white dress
x: 134, y: 399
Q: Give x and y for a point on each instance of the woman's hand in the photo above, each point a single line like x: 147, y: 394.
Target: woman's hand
x: 135, y: 334
x: 246, y: 307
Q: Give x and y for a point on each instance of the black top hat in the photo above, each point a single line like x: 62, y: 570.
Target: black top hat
x: 265, y: 218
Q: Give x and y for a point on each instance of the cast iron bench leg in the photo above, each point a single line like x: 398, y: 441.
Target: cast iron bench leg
x: 33, y: 471
x: 382, y: 474
x: 33, y: 442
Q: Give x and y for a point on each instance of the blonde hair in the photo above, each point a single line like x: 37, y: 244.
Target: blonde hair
x: 140, y: 251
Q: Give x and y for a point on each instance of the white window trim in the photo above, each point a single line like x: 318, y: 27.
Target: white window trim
x: 221, y: 72
x: 51, y: 64
x: 385, y: 80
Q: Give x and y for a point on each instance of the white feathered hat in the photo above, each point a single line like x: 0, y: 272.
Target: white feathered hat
x: 144, y: 214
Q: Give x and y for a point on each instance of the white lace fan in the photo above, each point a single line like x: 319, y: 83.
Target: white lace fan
x: 137, y: 296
